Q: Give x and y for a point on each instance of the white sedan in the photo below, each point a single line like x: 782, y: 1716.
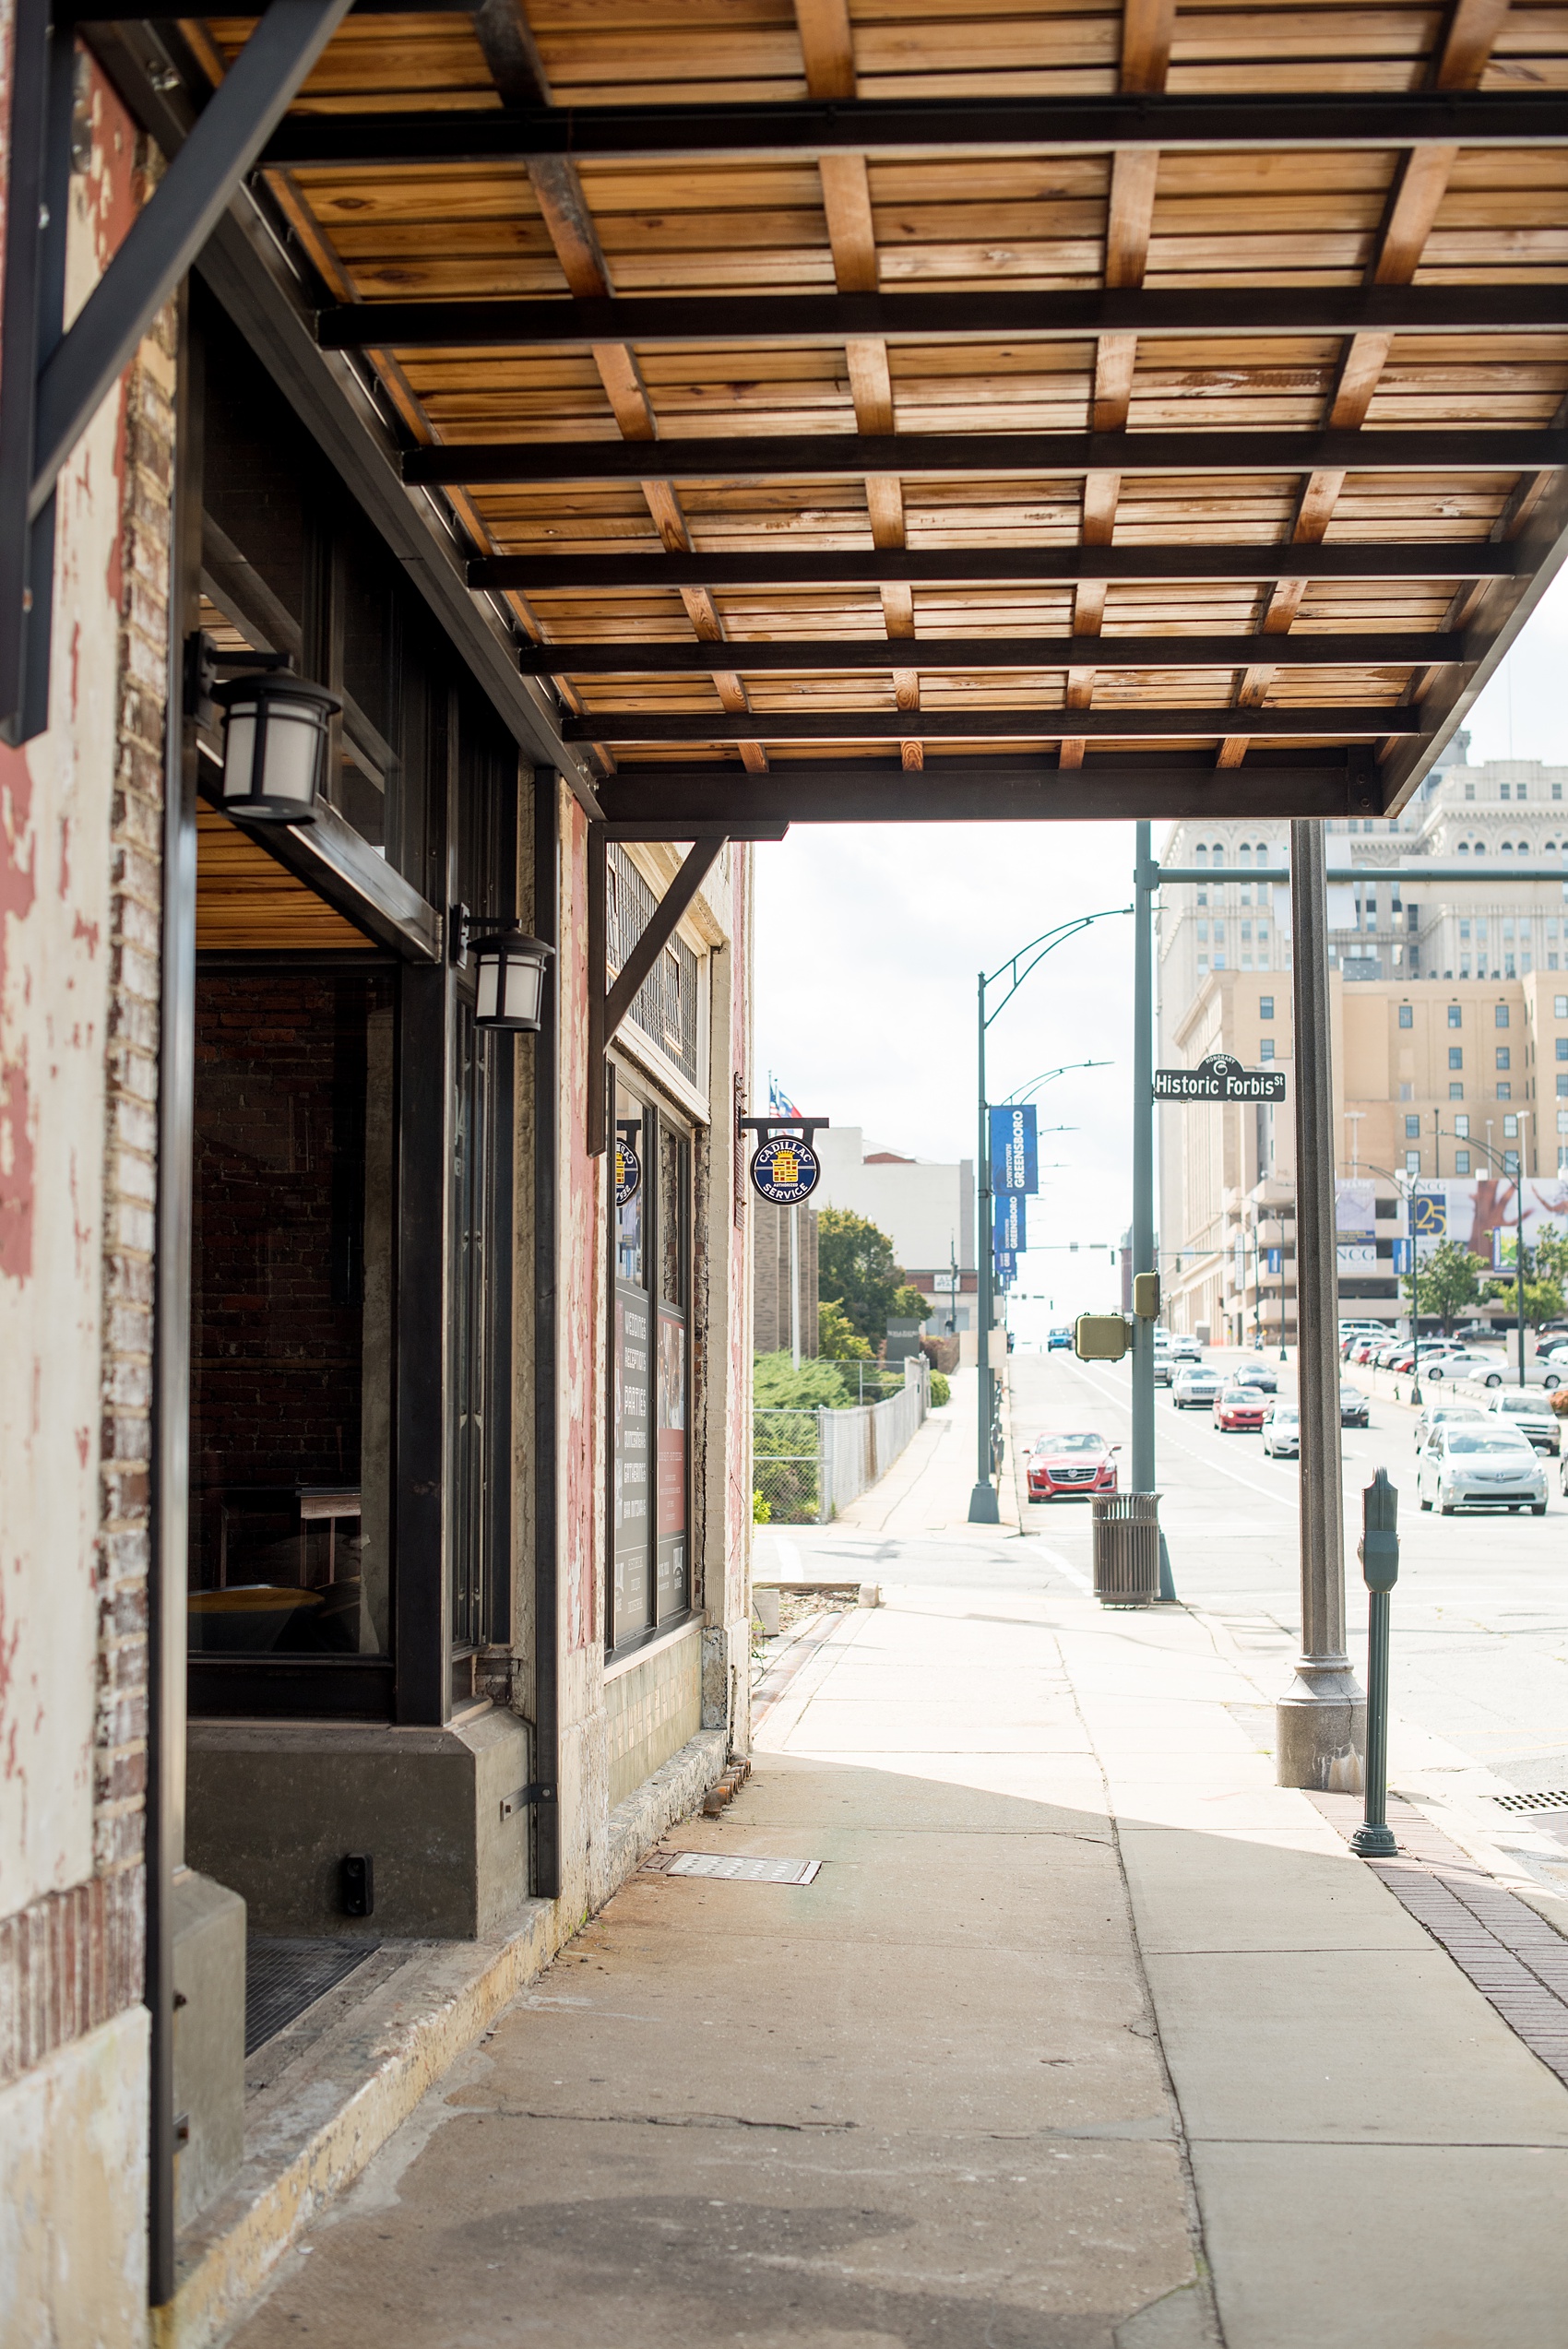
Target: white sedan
x: 1282, y: 1432
x: 1465, y: 1467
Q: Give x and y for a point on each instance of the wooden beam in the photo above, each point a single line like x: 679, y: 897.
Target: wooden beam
x: 1468, y: 38
x: 841, y: 456
x: 1129, y: 722
x: 1420, y: 185
x: 503, y: 31
x: 938, y: 316
x: 632, y: 566
x: 1147, y: 27
x: 1130, y: 216
x: 769, y: 656
x: 852, y: 229
x: 827, y: 47
x: 1341, y: 120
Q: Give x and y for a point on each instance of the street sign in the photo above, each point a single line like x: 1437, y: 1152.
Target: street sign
x: 1015, y: 1148
x: 1219, y: 1077
x: 944, y: 1284
x: 1008, y: 1222
x: 785, y: 1169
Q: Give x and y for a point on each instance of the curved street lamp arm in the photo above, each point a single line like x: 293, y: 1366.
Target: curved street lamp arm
x: 1023, y: 1092
x: 1034, y: 953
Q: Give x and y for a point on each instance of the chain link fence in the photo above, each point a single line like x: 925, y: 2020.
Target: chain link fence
x: 809, y: 1465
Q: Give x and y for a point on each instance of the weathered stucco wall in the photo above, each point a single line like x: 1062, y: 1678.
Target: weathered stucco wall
x: 80, y: 903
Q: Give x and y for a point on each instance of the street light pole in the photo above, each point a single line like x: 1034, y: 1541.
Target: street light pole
x: 1322, y: 1718
x: 1146, y: 881
x: 983, y: 1505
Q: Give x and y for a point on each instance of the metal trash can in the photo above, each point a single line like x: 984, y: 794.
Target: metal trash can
x: 1127, y: 1548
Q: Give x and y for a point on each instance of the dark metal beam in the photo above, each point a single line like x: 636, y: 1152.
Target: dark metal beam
x: 635, y: 566
x: 770, y: 657
x: 1114, y: 723
x: 886, y: 794
x: 171, y: 229
x: 850, y: 456
x: 937, y: 316
x: 694, y: 869
x: 1257, y: 120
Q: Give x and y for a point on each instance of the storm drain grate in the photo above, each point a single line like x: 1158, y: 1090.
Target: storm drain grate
x: 284, y: 1977
x: 1549, y: 1798
x: 743, y: 1871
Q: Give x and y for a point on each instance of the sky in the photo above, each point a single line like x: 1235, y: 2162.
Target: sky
x: 870, y: 937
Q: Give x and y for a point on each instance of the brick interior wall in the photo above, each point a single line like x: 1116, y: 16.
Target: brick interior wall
x: 278, y: 1272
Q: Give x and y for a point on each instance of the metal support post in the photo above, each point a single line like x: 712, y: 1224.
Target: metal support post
x: 1145, y: 880
x: 1322, y: 1718
x: 1379, y: 1554
x: 795, y: 1286
x: 1519, y: 1246
x: 983, y: 1505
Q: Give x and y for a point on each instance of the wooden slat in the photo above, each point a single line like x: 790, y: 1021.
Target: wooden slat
x: 1147, y: 29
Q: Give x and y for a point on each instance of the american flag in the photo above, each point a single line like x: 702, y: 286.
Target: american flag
x: 779, y: 1101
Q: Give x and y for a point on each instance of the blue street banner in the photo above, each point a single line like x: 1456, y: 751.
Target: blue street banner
x: 1402, y: 1255
x: 1015, y: 1150
x: 1008, y: 1225
x: 1274, y: 1259
x: 1006, y: 1268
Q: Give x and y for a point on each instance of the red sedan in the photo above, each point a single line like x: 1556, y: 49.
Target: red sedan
x: 1078, y: 1462
x: 1239, y: 1408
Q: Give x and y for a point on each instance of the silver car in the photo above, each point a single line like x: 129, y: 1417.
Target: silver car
x: 1480, y: 1468
x: 1528, y: 1409
x: 1195, y: 1388
x: 1440, y: 1414
x: 1282, y: 1432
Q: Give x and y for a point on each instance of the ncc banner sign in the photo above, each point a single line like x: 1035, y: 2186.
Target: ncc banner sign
x: 1221, y: 1077
x: 1015, y: 1150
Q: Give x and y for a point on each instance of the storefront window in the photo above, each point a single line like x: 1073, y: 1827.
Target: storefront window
x: 291, y: 1320
x: 651, y: 1219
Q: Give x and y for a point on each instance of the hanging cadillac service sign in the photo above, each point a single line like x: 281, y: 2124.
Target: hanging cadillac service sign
x: 628, y: 1172
x: 785, y: 1169
x: 1221, y: 1077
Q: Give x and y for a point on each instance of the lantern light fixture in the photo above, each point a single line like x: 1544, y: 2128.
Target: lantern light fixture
x: 277, y: 743
x: 509, y: 969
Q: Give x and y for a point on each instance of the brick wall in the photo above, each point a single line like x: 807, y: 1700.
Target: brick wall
x: 771, y: 1278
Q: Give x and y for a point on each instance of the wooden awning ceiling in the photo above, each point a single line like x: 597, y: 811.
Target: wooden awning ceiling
x: 890, y: 407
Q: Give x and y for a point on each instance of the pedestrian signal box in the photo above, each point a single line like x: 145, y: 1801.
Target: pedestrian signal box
x: 1146, y: 1295
x: 1099, y: 1337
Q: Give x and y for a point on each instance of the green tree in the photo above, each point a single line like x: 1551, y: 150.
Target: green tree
x: 1543, y: 1298
x: 836, y: 1341
x: 856, y: 1270
x: 1448, y: 1281
x: 776, y: 1385
x: 909, y: 1305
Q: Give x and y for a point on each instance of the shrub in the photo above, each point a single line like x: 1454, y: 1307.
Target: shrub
x: 940, y: 1391
x: 762, y: 1510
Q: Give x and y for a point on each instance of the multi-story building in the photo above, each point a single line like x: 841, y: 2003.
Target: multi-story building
x: 1450, y: 1024
x: 926, y: 1208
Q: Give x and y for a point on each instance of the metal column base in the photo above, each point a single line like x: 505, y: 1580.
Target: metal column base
x: 985, y: 1508
x: 1321, y: 1733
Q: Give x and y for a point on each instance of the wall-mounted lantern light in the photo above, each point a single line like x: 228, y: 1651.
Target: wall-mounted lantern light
x: 510, y: 970
x: 276, y: 741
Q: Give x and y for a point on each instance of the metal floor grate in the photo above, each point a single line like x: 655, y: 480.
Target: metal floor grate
x: 284, y: 1977
x: 744, y: 1871
x: 1549, y: 1798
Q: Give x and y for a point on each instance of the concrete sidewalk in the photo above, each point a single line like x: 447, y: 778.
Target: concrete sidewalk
x: 1086, y: 2035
